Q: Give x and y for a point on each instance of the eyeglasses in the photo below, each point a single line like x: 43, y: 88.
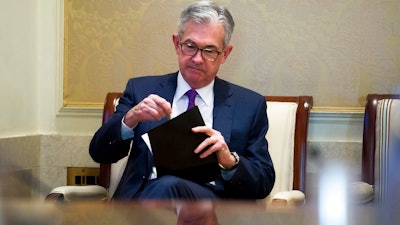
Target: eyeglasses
x: 191, y: 49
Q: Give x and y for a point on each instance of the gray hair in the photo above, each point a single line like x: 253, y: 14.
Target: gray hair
x: 204, y: 12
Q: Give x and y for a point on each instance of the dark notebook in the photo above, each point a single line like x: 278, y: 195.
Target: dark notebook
x: 173, y: 145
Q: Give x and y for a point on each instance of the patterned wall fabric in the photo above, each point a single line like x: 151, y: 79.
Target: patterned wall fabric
x: 336, y: 51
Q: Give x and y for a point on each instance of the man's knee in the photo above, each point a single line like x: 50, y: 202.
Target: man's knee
x: 168, y: 181
x: 171, y: 187
x: 166, y: 187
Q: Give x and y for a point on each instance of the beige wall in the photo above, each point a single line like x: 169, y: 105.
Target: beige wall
x: 18, y: 67
x: 31, y: 66
x: 336, y: 51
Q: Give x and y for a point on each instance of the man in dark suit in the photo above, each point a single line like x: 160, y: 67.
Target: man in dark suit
x: 235, y: 118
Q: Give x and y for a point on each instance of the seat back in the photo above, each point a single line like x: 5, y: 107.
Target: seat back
x: 293, y: 111
x: 381, y: 145
x: 369, y: 139
x: 110, y: 174
x: 287, y: 138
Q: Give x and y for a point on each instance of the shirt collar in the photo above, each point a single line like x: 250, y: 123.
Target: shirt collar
x: 206, y: 93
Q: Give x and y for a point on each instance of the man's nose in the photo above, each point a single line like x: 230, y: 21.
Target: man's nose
x: 198, y: 57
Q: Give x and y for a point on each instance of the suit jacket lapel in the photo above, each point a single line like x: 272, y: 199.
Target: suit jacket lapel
x: 166, y: 89
x: 223, y: 108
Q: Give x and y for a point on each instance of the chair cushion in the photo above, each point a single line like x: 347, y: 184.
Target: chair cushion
x: 280, y: 136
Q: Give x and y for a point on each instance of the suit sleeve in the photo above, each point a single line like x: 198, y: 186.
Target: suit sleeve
x: 107, y: 144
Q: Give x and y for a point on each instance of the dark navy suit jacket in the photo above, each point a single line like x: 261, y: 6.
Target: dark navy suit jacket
x: 239, y: 114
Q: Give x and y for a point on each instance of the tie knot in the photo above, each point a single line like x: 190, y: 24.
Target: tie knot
x: 192, y: 96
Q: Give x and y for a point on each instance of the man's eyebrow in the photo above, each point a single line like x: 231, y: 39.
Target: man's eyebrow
x: 192, y: 42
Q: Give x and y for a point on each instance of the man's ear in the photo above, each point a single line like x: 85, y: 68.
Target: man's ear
x: 226, y: 52
x: 175, y: 40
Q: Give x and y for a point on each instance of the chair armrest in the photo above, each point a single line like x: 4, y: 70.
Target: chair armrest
x: 293, y: 197
x: 360, y: 192
x: 78, y: 193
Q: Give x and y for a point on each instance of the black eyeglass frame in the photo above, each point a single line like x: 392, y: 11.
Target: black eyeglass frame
x: 193, y: 45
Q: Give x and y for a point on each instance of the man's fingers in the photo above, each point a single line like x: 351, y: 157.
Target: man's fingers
x: 161, y: 104
x: 153, y: 107
x: 203, y: 129
x: 215, y: 141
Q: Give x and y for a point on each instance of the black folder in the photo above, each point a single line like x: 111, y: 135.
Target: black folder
x: 173, y: 145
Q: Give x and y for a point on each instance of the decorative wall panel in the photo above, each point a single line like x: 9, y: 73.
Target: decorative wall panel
x: 336, y: 51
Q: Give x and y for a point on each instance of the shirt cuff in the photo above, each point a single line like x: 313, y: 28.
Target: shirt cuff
x: 227, y: 174
x: 126, y: 132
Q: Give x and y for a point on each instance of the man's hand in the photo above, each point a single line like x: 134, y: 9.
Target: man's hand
x: 217, y: 144
x: 153, y: 107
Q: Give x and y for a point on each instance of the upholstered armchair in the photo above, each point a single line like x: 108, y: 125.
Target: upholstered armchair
x: 287, y: 137
x: 381, y: 151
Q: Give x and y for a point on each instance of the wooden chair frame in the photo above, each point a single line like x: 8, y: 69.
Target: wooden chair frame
x: 300, y: 145
x: 368, y: 150
x: 108, y: 111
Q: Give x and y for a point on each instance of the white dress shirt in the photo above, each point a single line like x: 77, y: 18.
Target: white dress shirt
x: 204, y: 100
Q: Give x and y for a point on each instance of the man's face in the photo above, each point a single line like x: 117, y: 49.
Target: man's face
x: 197, y: 71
